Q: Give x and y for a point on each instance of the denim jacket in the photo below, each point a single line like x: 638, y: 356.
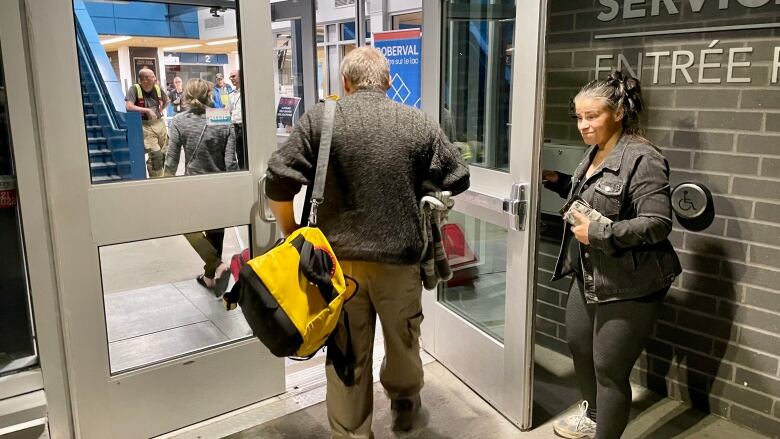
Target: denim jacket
x: 631, y: 257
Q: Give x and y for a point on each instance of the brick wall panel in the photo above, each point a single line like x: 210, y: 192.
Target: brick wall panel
x: 752, y: 187
x: 770, y: 167
x: 704, y: 161
x: 745, y: 357
x: 703, y: 140
x: 767, y: 211
x: 767, y: 299
x: 758, y: 144
x: 717, y: 324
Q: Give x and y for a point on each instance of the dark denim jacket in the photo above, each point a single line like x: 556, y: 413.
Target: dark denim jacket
x: 631, y: 257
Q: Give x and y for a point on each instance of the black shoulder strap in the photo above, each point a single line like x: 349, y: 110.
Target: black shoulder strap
x: 323, y: 156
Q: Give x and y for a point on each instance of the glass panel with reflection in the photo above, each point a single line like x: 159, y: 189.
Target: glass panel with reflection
x: 476, y: 251
x: 158, y: 306
x: 141, y: 117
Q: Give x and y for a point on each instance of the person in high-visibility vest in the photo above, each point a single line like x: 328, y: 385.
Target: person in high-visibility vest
x: 146, y: 97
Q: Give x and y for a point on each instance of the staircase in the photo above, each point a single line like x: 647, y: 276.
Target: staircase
x: 106, y: 128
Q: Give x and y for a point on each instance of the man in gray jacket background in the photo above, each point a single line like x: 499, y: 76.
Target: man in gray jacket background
x: 381, y: 154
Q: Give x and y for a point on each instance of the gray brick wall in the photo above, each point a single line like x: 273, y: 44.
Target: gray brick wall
x: 717, y: 341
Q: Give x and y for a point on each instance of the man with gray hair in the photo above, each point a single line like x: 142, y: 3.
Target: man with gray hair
x: 382, y: 152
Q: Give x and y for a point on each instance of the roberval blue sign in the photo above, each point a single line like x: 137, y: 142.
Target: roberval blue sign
x: 402, y: 50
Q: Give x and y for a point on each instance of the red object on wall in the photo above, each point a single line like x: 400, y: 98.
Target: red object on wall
x: 7, y: 191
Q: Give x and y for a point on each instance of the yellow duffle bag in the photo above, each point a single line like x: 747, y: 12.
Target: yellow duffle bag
x: 292, y: 296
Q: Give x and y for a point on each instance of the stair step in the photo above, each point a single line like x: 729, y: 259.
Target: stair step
x: 96, y: 139
x: 94, y: 127
x: 106, y: 178
x: 102, y: 165
x: 94, y: 152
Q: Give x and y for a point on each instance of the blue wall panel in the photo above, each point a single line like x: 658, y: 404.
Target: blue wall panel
x: 104, y: 26
x: 184, y: 29
x: 126, y: 26
x: 144, y: 19
x: 100, y: 9
x: 143, y: 11
x: 183, y: 13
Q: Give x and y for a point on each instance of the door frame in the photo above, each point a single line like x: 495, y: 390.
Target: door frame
x: 510, y: 390
x: 76, y: 235
x: 302, y: 16
x: 51, y: 374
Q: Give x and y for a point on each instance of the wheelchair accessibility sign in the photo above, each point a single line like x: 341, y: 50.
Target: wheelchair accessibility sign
x: 689, y: 200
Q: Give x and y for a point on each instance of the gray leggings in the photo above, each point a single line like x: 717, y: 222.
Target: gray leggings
x: 605, y: 341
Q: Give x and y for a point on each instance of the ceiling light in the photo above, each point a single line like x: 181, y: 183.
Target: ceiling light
x: 175, y: 48
x: 221, y: 42
x: 115, y: 40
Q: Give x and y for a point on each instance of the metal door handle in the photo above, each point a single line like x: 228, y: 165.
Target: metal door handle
x: 517, y: 206
x: 265, y: 212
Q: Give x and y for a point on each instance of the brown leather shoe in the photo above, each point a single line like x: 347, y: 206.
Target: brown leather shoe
x: 404, y: 411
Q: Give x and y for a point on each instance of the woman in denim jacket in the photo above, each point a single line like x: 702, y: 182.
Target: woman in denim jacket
x: 623, y: 266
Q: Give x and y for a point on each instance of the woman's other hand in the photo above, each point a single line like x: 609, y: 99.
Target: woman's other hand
x: 581, y: 229
x: 548, y: 175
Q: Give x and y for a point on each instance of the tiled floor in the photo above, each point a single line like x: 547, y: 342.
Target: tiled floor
x: 155, y: 309
x: 452, y: 410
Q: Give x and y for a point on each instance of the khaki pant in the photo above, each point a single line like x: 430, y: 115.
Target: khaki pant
x: 394, y: 293
x: 208, y: 245
x: 155, y: 146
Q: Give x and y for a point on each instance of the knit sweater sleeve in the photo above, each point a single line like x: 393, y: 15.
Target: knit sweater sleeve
x: 447, y: 169
x: 293, y: 164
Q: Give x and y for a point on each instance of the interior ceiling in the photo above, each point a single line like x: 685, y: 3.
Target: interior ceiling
x: 170, y: 42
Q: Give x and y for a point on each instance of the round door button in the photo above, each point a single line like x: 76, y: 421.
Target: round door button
x: 689, y: 200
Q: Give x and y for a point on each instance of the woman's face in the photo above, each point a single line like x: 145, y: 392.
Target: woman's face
x: 595, y: 121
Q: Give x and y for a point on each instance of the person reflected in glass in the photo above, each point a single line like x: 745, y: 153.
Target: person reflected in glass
x: 236, y: 117
x: 619, y: 254
x: 208, y: 147
x: 222, y: 92
x: 175, y: 96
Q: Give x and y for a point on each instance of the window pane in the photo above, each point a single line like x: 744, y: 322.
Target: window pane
x: 17, y: 348
x: 407, y: 21
x: 476, y: 251
x: 348, y: 31
x: 133, y: 80
x: 156, y: 308
x: 477, y: 80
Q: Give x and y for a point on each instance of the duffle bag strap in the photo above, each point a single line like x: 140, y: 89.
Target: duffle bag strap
x: 323, y: 156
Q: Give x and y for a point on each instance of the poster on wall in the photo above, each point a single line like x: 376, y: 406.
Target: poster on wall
x: 402, y: 48
x: 141, y: 62
x: 285, y: 113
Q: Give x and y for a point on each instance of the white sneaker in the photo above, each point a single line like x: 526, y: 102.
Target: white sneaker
x: 578, y: 426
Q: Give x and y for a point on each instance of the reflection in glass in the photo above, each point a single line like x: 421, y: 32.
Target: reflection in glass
x: 17, y: 347
x: 131, y: 96
x: 477, y: 79
x: 157, y: 306
x: 407, y: 21
x: 476, y: 251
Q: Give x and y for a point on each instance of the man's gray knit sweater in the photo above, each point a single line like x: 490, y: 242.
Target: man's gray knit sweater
x: 381, y: 154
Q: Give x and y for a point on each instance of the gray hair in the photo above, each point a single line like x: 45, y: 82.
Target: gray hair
x: 366, y: 67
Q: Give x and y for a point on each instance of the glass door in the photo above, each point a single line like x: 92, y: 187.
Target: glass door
x: 483, y: 90
x: 144, y: 203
